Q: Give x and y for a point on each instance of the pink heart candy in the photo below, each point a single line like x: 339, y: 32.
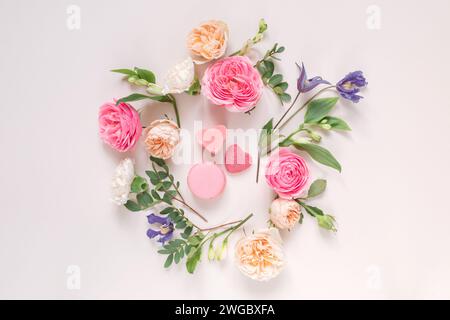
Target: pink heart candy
x: 212, y: 139
x: 236, y: 160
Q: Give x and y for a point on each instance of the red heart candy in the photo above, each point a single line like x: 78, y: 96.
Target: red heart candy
x: 236, y: 160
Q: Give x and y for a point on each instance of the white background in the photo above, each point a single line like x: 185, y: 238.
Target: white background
x: 391, y: 200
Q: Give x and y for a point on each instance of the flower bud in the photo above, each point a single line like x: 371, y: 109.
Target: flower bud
x: 132, y: 79
x: 141, y: 82
x: 221, y: 252
x: 325, y: 126
x: 211, y: 253
x: 154, y: 89
x: 326, y: 222
x: 315, y: 136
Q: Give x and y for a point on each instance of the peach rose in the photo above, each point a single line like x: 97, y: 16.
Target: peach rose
x: 259, y: 255
x: 161, y: 138
x: 284, y: 213
x: 208, y: 41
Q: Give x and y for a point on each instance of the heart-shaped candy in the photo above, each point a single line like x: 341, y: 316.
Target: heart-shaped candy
x: 236, y: 160
x: 212, y: 139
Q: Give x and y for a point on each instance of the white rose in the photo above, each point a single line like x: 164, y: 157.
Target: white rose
x: 180, y: 77
x: 260, y: 255
x: 285, y: 213
x: 121, y: 183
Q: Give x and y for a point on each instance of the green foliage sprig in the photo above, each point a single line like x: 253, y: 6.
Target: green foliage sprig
x: 146, y: 78
x: 262, y: 28
x: 266, y: 68
x: 325, y: 221
x: 189, y: 242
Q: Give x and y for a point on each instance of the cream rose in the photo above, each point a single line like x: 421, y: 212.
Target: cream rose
x: 121, y: 182
x: 285, y: 213
x: 259, y: 255
x: 208, y: 41
x: 161, y: 138
x: 180, y: 77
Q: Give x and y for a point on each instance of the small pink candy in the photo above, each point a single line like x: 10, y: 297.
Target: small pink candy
x: 206, y: 180
x: 236, y: 160
x: 212, y: 139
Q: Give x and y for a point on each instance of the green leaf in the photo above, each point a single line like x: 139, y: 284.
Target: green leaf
x: 285, y: 97
x: 164, y: 251
x: 153, y: 177
x: 155, y: 195
x: 313, y: 211
x: 158, y: 161
x: 167, y: 210
x: 283, y: 86
x: 275, y: 80
x: 193, y: 259
x: 168, y: 262
x: 280, y: 49
x: 335, y: 123
x: 187, y: 232
x: 162, y: 174
x: 177, y: 257
x: 319, y: 108
x: 166, y: 185
x: 144, y: 199
x: 133, y: 97
x: 128, y: 72
x: 181, y: 224
x: 317, y: 187
x: 174, y: 215
x: 319, y: 154
x: 146, y: 75
x: 195, y: 88
x: 132, y: 206
x: 139, y: 184
x: 270, y: 67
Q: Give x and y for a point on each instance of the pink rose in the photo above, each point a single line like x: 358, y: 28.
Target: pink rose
x: 233, y: 83
x: 287, y: 174
x: 120, y: 126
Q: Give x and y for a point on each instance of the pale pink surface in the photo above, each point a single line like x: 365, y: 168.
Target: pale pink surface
x: 206, y: 180
x: 234, y: 83
x: 236, y: 159
x: 287, y: 173
x: 119, y: 125
x: 212, y: 139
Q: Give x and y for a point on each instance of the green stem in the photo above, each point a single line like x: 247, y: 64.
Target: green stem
x: 175, y: 108
x: 231, y: 230
x: 287, y: 111
x: 301, y: 108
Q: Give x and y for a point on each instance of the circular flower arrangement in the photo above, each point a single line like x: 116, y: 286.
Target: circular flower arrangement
x: 235, y: 82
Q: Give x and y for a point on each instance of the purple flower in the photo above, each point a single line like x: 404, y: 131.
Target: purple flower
x: 164, y: 228
x: 349, y: 86
x: 304, y: 84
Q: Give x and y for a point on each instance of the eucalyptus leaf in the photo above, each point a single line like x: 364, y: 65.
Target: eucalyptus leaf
x: 139, y: 184
x: 132, y: 206
x: 144, y: 199
x: 168, y: 262
x: 275, y: 80
x: 319, y: 108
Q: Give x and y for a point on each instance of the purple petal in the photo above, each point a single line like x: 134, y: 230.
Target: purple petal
x: 166, y: 237
x: 302, y: 78
x: 153, y: 218
x: 152, y: 233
